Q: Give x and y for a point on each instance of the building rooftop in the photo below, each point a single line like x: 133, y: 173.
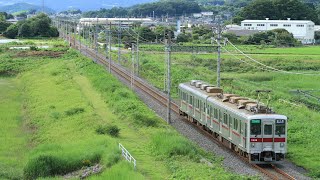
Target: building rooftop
x: 277, y: 21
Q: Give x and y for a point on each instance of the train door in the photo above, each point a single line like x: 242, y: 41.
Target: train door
x: 220, y: 121
x: 268, y: 135
x: 230, y: 126
x: 243, y: 132
x: 209, y: 116
x: 245, y: 135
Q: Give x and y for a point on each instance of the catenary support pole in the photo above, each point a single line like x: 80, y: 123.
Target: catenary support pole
x: 168, y: 58
x: 119, y: 42
x: 110, y: 48
x: 219, y: 54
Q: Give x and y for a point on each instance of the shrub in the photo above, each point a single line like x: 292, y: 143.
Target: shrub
x: 55, y: 115
x: 42, y: 166
x: 34, y: 48
x: 74, y: 111
x: 113, y: 158
x: 52, y: 160
x: 167, y: 144
x: 144, y: 119
x: 12, y: 31
x: 111, y: 130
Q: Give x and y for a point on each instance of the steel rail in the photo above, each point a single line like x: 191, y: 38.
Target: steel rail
x: 120, y: 71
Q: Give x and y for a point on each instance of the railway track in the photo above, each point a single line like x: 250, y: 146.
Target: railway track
x: 271, y: 171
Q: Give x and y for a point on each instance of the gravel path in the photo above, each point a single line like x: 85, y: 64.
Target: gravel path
x: 231, y: 161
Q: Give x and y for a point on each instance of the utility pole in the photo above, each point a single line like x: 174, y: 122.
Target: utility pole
x: 168, y: 60
x: 107, y: 43
x: 110, y: 43
x: 80, y: 36
x: 75, y: 34
x: 165, y: 64
x: 119, y: 42
x: 89, y: 36
x: 96, y: 39
x: 219, y: 53
x: 69, y: 32
x: 133, y: 64
x: 137, y: 52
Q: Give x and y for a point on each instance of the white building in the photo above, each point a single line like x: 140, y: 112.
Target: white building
x: 114, y: 21
x: 302, y: 30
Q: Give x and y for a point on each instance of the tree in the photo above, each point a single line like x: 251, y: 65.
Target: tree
x: 2, y: 17
x: 53, y: 32
x: 164, y: 33
x: 277, y: 37
x: 146, y: 34
x: 231, y: 37
x: 12, y: 31
x: 5, y: 16
x: 183, y: 38
x: 35, y: 26
x: 3, y: 26
x: 279, y: 9
x: 25, y: 30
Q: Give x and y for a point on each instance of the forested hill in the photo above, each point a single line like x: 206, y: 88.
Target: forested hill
x: 160, y: 8
x: 235, y: 9
x: 20, y: 7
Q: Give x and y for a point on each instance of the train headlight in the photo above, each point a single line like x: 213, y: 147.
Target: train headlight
x: 252, y: 145
x: 282, y: 144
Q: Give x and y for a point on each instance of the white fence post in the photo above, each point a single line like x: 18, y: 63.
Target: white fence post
x: 128, y: 156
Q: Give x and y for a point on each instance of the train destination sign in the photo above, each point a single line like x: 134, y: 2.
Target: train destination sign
x: 280, y: 121
x: 256, y: 121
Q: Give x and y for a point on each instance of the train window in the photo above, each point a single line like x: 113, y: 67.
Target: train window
x: 235, y: 124
x: 245, y: 129
x: 255, y: 127
x: 215, y: 113
x: 230, y: 120
x: 267, y: 129
x: 225, y: 118
x: 204, y: 107
x: 241, y: 128
x: 191, y: 100
x: 220, y: 115
x: 280, y: 127
x: 211, y: 111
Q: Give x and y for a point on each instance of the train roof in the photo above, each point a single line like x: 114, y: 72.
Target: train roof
x: 214, y: 98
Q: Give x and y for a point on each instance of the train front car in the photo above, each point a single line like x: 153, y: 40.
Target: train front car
x: 267, y: 138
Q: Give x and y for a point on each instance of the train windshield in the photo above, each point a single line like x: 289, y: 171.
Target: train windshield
x: 255, y: 127
x: 280, y: 127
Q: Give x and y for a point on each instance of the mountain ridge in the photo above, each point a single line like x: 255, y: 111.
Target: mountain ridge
x: 83, y: 5
x: 19, y: 7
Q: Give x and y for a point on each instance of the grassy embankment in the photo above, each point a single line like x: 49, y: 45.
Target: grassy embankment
x: 243, y: 79
x: 55, y: 103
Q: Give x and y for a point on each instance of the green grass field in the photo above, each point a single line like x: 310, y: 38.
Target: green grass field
x: 242, y: 78
x: 13, y: 135
x: 52, y: 106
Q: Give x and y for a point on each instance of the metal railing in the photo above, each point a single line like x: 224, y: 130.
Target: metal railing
x: 127, y: 156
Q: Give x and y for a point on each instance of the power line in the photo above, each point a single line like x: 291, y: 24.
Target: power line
x: 269, y: 67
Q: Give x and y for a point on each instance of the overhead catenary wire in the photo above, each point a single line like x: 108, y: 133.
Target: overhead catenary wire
x: 234, y: 55
x: 269, y: 67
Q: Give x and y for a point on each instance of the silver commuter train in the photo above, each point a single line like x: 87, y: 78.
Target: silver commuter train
x: 246, y: 126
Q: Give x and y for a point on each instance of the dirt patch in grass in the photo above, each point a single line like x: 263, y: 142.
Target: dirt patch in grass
x: 51, y: 54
